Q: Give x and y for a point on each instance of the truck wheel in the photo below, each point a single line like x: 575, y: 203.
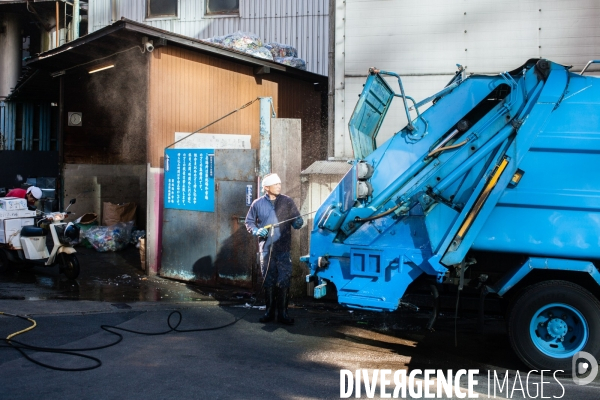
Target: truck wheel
x: 69, y: 265
x: 4, y: 263
x: 551, y: 321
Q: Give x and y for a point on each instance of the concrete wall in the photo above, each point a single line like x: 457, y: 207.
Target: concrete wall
x: 94, y: 184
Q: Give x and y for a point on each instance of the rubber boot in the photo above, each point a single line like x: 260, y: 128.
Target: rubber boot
x: 282, y: 305
x: 270, y: 303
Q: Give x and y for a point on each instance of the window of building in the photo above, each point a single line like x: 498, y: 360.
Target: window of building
x: 161, y: 8
x: 218, y: 7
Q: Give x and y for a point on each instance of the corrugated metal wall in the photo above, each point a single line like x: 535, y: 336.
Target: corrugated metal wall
x: 188, y: 90
x: 25, y: 126
x: 301, y: 23
x: 8, y: 124
x: 423, y: 41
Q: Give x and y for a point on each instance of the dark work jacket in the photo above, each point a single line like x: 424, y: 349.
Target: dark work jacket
x: 263, y: 213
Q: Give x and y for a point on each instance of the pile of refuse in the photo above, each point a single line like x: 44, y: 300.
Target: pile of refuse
x: 251, y: 44
x: 110, y: 238
x: 117, y: 231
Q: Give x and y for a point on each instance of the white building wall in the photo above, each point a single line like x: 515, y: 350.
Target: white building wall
x: 424, y: 40
x: 303, y: 24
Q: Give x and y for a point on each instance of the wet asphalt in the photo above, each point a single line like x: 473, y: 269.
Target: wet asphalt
x: 110, y: 277
x: 244, y: 360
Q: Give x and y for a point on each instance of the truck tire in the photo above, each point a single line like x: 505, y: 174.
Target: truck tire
x: 69, y: 265
x: 551, y: 321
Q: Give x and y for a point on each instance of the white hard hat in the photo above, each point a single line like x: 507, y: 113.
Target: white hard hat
x: 35, y: 191
x: 271, y: 179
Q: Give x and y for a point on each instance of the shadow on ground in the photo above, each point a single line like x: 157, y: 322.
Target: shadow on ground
x: 118, y: 278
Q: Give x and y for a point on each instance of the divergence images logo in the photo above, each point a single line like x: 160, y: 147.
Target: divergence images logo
x: 581, y: 367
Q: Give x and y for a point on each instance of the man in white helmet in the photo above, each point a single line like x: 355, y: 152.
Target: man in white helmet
x: 32, y: 194
x: 271, y: 210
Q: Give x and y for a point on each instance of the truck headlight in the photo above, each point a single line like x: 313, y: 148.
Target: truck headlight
x: 363, y: 189
x: 364, y: 170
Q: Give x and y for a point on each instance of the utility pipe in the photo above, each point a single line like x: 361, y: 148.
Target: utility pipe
x: 75, y: 19
x: 57, y: 23
x: 264, y: 155
x: 113, y: 11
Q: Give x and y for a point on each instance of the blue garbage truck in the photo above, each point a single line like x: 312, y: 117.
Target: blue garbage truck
x: 492, y: 185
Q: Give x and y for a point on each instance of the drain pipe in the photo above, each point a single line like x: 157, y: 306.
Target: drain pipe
x: 267, y: 111
x: 75, y: 19
x: 113, y: 11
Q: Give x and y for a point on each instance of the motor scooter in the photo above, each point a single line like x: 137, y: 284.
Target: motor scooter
x: 34, y: 252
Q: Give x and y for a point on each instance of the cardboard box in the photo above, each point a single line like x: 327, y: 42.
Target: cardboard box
x: 12, y: 203
x: 10, y: 230
x: 17, y: 214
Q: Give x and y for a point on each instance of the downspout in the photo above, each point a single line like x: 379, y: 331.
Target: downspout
x: 331, y: 83
x: 264, y: 155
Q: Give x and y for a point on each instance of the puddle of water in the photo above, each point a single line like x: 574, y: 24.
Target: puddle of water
x: 111, y: 277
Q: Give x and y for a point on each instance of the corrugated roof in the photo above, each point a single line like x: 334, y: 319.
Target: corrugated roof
x: 327, y: 168
x: 125, y: 33
x: 302, y: 24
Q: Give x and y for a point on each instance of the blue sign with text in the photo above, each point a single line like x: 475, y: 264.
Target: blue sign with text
x: 190, y: 179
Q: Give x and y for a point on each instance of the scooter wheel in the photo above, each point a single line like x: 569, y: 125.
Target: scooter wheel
x: 69, y: 265
x: 4, y: 263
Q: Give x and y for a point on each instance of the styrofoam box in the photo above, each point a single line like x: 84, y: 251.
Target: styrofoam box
x: 12, y: 203
x: 10, y: 230
x: 17, y: 214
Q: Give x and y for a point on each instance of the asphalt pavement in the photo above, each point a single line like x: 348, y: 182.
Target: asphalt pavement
x: 244, y: 360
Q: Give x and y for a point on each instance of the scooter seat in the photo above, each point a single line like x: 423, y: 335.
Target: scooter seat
x: 30, y: 231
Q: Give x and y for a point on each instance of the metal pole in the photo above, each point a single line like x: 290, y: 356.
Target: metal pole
x: 2, y: 131
x: 264, y: 163
x: 60, y: 141
x: 331, y: 83
x: 113, y: 11
x: 76, y: 18
x: 57, y: 29
x: 10, y: 53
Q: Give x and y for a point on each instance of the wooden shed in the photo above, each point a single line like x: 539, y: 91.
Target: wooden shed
x: 120, y: 106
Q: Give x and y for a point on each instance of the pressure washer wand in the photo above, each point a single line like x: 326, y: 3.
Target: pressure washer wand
x: 287, y: 220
